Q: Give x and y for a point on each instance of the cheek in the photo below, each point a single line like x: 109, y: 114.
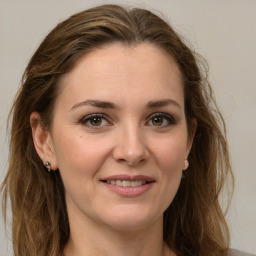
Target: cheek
x: 171, y: 162
x: 78, y: 154
x: 170, y: 154
x: 79, y: 159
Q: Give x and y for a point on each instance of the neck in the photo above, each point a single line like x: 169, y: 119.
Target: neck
x: 95, y: 240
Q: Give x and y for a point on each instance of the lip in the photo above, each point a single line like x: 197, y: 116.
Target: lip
x: 129, y: 191
x: 129, y: 178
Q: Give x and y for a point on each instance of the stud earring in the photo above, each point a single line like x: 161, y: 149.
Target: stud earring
x: 186, y: 165
x: 48, y: 166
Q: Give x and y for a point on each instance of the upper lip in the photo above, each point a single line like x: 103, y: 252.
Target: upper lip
x: 129, y: 178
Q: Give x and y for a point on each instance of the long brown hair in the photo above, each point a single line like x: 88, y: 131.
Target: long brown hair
x: 194, y: 223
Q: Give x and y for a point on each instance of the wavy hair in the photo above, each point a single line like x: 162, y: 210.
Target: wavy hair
x: 194, y: 223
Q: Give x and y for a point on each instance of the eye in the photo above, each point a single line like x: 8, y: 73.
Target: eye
x: 94, y: 120
x: 160, y: 120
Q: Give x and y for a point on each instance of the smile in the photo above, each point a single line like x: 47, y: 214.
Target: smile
x: 128, y: 186
x: 127, y: 183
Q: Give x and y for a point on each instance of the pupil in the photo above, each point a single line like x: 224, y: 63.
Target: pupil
x: 96, y: 121
x: 157, y: 121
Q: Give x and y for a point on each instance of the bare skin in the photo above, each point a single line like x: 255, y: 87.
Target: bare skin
x: 119, y: 118
x: 118, y: 243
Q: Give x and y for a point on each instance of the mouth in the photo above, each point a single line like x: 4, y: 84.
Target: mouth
x: 128, y: 186
x: 126, y: 183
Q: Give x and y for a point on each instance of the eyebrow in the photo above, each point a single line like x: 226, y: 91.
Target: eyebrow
x: 163, y: 103
x: 95, y: 103
x: 106, y: 104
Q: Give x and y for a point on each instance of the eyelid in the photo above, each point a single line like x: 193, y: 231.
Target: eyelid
x: 168, y: 117
x: 85, y: 119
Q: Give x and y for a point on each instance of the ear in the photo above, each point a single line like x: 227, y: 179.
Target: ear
x: 191, y: 136
x: 42, y: 141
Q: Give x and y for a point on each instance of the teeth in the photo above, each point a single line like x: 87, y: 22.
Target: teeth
x: 119, y: 183
x: 134, y: 183
x: 127, y: 183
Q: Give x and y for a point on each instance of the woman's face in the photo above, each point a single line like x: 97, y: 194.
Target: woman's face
x: 119, y: 136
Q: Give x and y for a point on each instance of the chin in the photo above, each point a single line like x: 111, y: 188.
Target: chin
x: 131, y: 220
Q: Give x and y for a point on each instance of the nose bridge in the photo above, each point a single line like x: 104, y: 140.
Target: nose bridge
x: 131, y: 146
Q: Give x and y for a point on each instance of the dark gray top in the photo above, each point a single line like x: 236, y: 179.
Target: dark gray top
x: 234, y: 252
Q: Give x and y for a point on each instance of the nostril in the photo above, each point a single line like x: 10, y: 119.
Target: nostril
x: 130, y: 150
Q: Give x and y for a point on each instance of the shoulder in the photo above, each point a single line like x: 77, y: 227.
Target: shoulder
x: 234, y: 252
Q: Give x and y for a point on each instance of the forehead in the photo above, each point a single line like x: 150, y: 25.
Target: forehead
x: 124, y: 71
x: 120, y: 56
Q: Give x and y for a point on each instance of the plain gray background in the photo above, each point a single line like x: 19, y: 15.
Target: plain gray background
x: 223, y: 31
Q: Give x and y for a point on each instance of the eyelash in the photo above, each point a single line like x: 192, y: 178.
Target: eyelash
x: 169, y: 118
x: 86, y: 119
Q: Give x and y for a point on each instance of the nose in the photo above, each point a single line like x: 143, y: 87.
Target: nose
x: 130, y: 147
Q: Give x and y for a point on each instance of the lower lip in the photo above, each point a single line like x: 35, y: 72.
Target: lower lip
x: 129, y: 191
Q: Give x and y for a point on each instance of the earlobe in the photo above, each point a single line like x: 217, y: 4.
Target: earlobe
x: 42, y: 141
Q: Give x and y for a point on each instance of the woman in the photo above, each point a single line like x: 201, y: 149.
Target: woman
x: 117, y: 109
